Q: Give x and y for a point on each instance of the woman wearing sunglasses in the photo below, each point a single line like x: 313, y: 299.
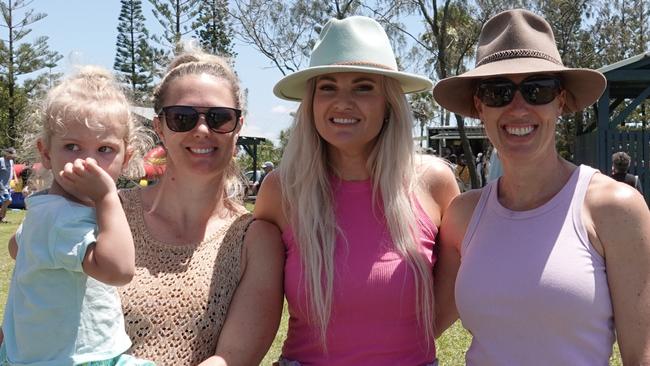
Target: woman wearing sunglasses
x: 555, y: 257
x: 202, y: 294
x: 358, y: 216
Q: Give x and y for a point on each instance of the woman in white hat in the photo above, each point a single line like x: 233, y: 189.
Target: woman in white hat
x: 358, y: 219
x: 555, y: 257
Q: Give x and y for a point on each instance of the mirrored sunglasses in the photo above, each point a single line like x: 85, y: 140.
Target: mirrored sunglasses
x: 182, y: 118
x: 536, y: 90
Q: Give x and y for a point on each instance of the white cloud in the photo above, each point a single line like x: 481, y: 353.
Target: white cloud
x: 253, y: 130
x: 267, y: 126
x: 282, y: 109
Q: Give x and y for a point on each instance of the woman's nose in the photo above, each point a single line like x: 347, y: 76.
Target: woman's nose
x: 202, y: 124
x: 344, y: 101
x: 518, y: 102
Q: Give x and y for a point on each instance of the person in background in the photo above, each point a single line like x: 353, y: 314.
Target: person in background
x: 445, y: 152
x: 462, y: 174
x: 453, y: 161
x: 207, y: 288
x: 555, y: 257
x: 268, y: 168
x: 481, y: 168
x: 495, y: 170
x: 620, y: 166
x: 74, y: 244
x: 40, y: 178
x: 358, y: 212
x: 7, y: 174
x: 24, y: 178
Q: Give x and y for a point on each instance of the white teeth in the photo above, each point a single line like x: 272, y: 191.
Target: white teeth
x: 202, y: 151
x: 520, y: 131
x: 344, y: 121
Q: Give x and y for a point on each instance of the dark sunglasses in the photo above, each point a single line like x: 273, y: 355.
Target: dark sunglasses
x: 536, y: 90
x: 182, y: 118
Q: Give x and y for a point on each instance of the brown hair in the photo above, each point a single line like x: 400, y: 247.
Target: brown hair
x: 621, y: 162
x: 194, y: 63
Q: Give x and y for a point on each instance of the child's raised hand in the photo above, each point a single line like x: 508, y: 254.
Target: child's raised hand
x: 86, y: 180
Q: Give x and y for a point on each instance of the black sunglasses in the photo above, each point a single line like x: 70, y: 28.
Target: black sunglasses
x: 536, y: 90
x: 183, y: 118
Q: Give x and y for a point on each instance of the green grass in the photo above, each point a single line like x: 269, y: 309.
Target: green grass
x: 15, y: 217
x: 451, y: 346
x: 276, y: 348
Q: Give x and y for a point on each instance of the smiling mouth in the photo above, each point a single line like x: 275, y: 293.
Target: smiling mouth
x: 202, y: 151
x: 344, y: 121
x: 519, y: 131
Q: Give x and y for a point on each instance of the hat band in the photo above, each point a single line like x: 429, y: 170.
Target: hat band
x: 363, y: 63
x: 518, y: 53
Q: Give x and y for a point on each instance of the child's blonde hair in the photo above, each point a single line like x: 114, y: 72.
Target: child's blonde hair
x: 91, y: 97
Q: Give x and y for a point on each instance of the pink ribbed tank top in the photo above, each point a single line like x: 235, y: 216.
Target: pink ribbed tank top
x: 373, y: 319
x: 531, y: 288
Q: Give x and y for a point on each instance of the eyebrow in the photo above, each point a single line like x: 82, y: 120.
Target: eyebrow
x: 357, y: 80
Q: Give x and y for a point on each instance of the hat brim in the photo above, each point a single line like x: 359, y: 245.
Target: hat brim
x: 583, y: 86
x: 292, y: 87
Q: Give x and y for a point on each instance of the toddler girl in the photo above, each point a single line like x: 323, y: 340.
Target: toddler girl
x: 75, y: 244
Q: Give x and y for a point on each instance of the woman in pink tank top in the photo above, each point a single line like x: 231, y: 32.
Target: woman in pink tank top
x: 553, y: 260
x: 358, y: 213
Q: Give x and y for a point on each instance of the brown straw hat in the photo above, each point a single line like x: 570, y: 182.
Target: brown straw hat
x: 518, y: 42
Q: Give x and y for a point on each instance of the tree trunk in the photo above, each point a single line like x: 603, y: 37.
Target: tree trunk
x: 11, y: 123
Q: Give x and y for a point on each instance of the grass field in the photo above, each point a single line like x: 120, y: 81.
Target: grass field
x: 451, y: 346
x: 6, y: 263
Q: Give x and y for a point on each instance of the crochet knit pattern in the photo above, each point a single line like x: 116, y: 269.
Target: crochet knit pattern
x: 176, y: 305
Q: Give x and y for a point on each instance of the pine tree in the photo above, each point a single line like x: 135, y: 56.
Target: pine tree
x: 19, y: 57
x: 134, y: 54
x: 213, y: 29
x: 176, y: 18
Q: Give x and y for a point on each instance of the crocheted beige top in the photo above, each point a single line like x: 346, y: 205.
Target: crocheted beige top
x: 176, y: 305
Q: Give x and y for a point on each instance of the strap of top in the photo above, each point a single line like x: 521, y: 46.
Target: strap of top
x: 577, y: 203
x: 478, y: 212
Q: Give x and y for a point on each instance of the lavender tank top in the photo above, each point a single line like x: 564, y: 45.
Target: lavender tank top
x: 531, y: 288
x: 373, y: 319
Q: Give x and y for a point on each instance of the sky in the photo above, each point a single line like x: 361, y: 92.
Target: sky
x: 85, y: 32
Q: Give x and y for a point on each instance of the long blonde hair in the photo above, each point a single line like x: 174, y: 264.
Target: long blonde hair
x: 307, y: 193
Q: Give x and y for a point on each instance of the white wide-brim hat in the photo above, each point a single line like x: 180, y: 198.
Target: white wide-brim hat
x: 354, y: 44
x: 518, y: 42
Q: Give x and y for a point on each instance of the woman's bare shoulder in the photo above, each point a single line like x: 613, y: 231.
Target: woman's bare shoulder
x: 269, y: 202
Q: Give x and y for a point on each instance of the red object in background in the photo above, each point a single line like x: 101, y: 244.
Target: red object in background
x: 154, y: 162
x: 157, y: 152
x: 153, y: 171
x: 18, y: 168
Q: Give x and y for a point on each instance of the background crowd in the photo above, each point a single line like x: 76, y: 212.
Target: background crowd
x: 372, y: 245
